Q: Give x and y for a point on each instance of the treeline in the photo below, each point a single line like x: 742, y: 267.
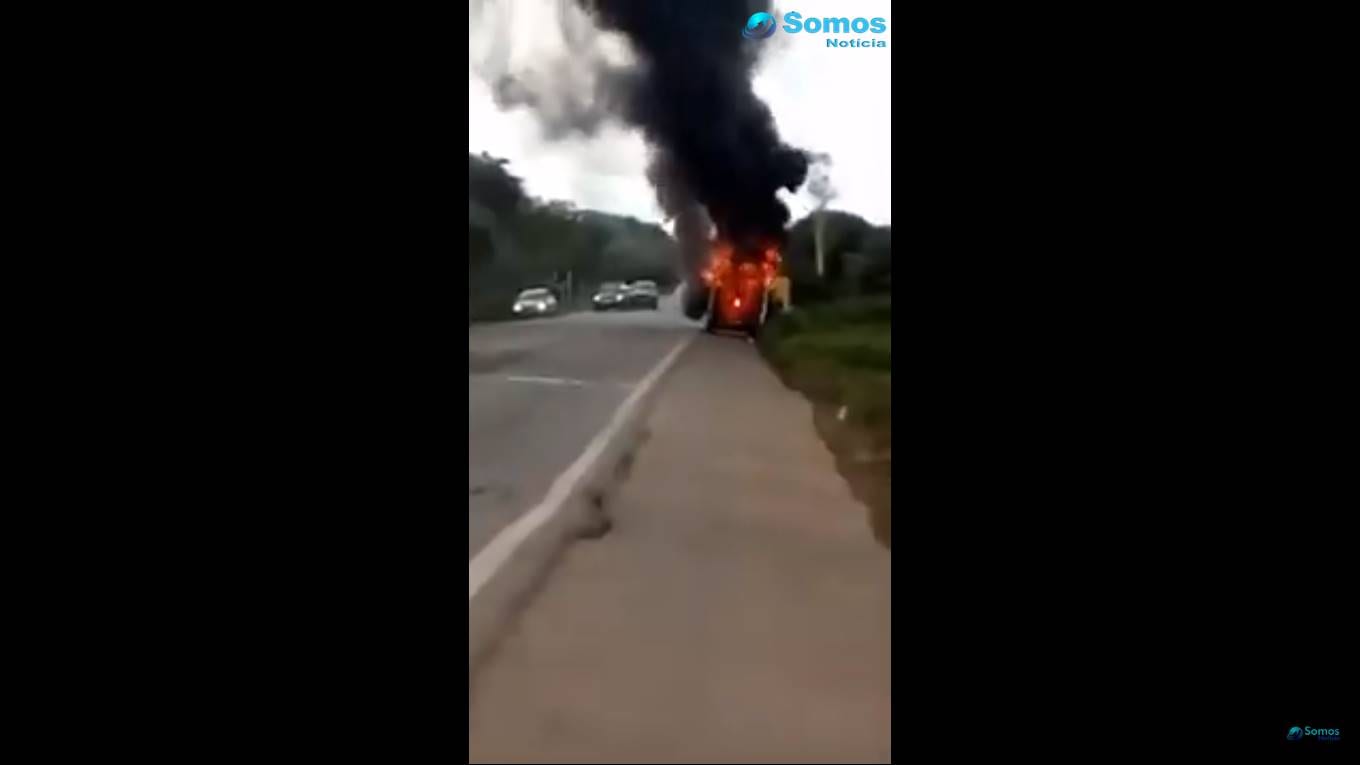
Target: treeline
x: 516, y: 241
x: 857, y: 258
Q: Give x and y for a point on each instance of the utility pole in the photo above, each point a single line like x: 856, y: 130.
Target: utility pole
x: 818, y: 240
x: 819, y: 185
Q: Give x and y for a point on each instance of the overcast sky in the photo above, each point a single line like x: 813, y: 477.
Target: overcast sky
x: 832, y: 100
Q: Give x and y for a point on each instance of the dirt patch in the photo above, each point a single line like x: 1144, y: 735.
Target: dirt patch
x: 865, y: 465
x: 595, y: 523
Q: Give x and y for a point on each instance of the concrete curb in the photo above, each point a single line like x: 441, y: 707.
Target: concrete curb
x: 497, y: 603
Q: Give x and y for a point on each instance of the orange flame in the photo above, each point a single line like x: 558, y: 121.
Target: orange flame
x: 721, y: 266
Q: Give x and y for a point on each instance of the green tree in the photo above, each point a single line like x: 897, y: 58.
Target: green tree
x: 492, y: 186
x: 515, y: 240
x: 858, y: 256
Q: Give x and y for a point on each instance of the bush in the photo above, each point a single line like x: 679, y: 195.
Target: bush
x: 865, y: 347
x: 840, y: 353
x: 872, y: 314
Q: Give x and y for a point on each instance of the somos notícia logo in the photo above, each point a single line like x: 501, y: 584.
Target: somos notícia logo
x: 758, y: 27
x: 761, y: 25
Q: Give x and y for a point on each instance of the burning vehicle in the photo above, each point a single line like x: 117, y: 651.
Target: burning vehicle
x: 737, y: 283
x: 715, y: 157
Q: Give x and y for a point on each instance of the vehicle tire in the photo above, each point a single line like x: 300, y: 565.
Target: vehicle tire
x: 696, y: 301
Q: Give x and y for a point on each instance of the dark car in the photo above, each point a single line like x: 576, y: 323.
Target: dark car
x: 643, y: 294
x: 610, y: 295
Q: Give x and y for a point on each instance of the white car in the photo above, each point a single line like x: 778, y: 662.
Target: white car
x: 535, y: 302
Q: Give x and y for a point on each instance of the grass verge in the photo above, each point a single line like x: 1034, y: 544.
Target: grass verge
x: 839, y: 355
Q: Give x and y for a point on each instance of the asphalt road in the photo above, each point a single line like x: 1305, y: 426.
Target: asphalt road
x: 540, y: 389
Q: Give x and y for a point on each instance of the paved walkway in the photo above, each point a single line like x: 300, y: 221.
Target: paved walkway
x: 737, y: 612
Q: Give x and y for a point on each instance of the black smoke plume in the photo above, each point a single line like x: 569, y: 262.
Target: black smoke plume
x: 716, y: 154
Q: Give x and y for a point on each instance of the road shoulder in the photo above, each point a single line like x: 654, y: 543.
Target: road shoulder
x: 736, y: 607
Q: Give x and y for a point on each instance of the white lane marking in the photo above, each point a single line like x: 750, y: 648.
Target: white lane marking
x: 499, y: 550
x: 547, y: 380
x: 564, y: 382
